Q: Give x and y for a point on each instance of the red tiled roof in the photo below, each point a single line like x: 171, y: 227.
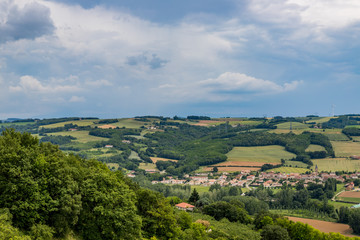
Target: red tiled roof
x: 184, y: 205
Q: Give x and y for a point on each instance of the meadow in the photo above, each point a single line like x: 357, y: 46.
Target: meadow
x: 294, y: 125
x: 314, y: 147
x: 147, y: 166
x: 288, y: 170
x: 262, y: 154
x: 155, y: 159
x: 82, y: 123
x: 336, y: 164
x: 346, y: 149
x: 81, y: 136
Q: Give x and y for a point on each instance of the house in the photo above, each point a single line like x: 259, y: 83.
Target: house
x: 185, y: 206
x: 350, y: 186
x: 109, y: 146
x: 354, y: 157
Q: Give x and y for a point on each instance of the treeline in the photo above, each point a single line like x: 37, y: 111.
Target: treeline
x: 340, y: 122
x: 57, y: 140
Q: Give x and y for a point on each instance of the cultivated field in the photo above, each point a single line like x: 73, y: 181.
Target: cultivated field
x: 147, y: 166
x: 264, y: 154
x: 321, y: 119
x: 294, y: 125
x: 288, y: 170
x: 346, y: 149
x: 134, y: 155
x: 90, y: 122
x: 229, y: 169
x: 336, y: 164
x: 314, y: 147
x: 295, y: 164
x: 155, y: 159
x: 327, y: 227
x: 349, y: 196
x: 81, y: 136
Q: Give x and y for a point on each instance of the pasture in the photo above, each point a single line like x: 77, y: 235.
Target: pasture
x: 314, y: 147
x: 263, y: 154
x: 294, y: 125
x: 346, y: 149
x: 155, y: 159
x: 288, y: 170
x: 134, y: 155
x: 147, y: 166
x: 81, y: 136
x: 320, y: 120
x: 336, y: 164
x: 130, y: 123
x: 349, y: 196
x: 295, y: 164
x: 82, y: 123
x: 229, y: 169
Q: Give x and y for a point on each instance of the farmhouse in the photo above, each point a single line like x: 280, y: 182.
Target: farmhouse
x: 184, y: 206
x: 354, y: 157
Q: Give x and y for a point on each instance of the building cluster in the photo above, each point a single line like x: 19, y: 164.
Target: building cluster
x: 266, y: 179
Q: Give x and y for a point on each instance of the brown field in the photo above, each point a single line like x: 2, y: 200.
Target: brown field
x: 241, y: 164
x: 155, y: 159
x: 231, y: 169
x: 326, y: 227
x: 350, y: 194
x: 107, y: 126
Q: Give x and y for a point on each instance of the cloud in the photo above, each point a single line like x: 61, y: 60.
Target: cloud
x: 29, y: 84
x: 99, y: 83
x: 77, y: 99
x: 153, y: 62
x: 235, y: 83
x: 228, y: 86
x: 29, y: 22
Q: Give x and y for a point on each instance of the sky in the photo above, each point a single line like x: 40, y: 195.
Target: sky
x: 219, y: 58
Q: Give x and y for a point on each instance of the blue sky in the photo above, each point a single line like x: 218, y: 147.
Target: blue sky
x: 223, y: 58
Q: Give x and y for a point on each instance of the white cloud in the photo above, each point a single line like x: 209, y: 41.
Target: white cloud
x: 29, y: 84
x: 99, y: 83
x: 228, y: 86
x: 75, y: 99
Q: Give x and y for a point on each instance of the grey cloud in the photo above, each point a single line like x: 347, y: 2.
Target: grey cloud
x: 30, y: 22
x: 154, y: 62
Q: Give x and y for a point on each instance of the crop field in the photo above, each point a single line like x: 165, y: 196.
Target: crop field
x: 321, y: 120
x: 88, y: 122
x: 294, y: 125
x: 239, y: 164
x: 314, y: 147
x: 295, y: 164
x: 350, y: 194
x: 147, y: 166
x: 134, y: 155
x: 336, y: 164
x: 264, y: 154
x: 356, y: 138
x: 229, y: 169
x: 129, y: 123
x: 346, y: 149
x: 326, y: 227
x: 155, y: 159
x: 288, y: 170
x: 336, y: 136
x: 232, y: 121
x: 81, y: 136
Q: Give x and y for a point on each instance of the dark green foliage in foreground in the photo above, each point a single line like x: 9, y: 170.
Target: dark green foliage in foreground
x: 47, y: 192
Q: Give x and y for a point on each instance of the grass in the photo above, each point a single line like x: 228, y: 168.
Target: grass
x: 81, y: 136
x: 338, y: 205
x: 114, y: 166
x: 265, y: 154
x: 348, y: 199
x: 295, y: 164
x: 134, y: 155
x: 82, y: 123
x: 346, y: 149
x: 321, y: 120
x: 314, y: 147
x: 289, y: 170
x: 129, y: 123
x: 336, y: 164
x: 336, y: 136
x: 147, y: 166
x: 303, y: 213
x: 294, y: 125
x: 356, y: 138
x: 200, y: 189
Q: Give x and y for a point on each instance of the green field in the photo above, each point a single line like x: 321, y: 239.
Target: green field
x: 296, y: 164
x: 294, y: 125
x: 134, y: 155
x: 200, y: 189
x: 82, y: 123
x: 336, y: 164
x: 264, y: 154
x: 356, y: 138
x: 314, y: 147
x: 348, y: 199
x: 338, y: 205
x: 289, y: 170
x: 147, y: 166
x: 113, y: 166
x: 321, y: 120
x: 346, y: 149
x: 129, y: 123
x: 81, y: 136
x: 336, y: 136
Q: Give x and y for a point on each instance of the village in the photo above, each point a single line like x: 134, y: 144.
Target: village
x: 247, y: 178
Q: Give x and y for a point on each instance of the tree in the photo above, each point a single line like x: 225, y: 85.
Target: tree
x: 215, y: 169
x: 194, y: 196
x: 354, y: 220
x: 274, y: 232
